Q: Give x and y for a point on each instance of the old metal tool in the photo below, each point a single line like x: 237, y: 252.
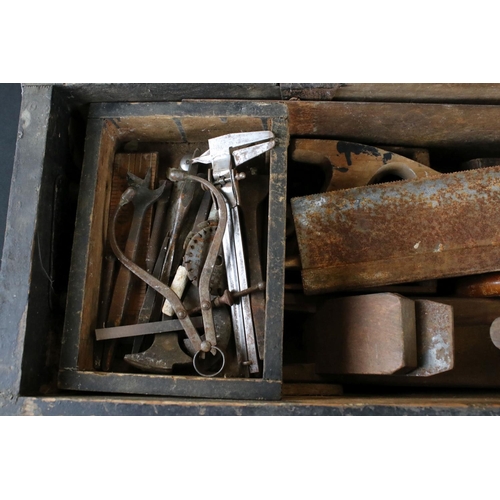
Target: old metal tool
x: 199, y: 345
x: 223, y: 152
x: 435, y: 338
x: 156, y: 231
x: 143, y: 198
x: 399, y: 232
x: 169, y: 325
x: 162, y: 356
x: 181, y: 198
x: 255, y: 192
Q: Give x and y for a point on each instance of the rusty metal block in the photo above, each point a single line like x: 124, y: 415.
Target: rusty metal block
x: 435, y: 343
x: 399, y: 232
x: 366, y: 334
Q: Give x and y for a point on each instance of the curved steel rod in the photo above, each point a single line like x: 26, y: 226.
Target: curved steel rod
x: 206, y: 274
x: 153, y: 282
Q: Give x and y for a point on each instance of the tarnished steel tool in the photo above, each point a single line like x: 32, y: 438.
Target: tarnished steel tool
x: 156, y: 231
x: 229, y: 298
x: 152, y: 281
x: 366, y: 334
x: 181, y: 198
x: 143, y: 198
x: 348, y: 164
x: 223, y: 152
x: 120, y: 332
x: 399, y: 232
x: 208, y: 344
x: 137, y: 164
x: 435, y: 344
x: 162, y: 356
x: 255, y: 192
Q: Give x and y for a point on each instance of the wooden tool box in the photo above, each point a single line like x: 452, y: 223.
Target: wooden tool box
x: 455, y: 122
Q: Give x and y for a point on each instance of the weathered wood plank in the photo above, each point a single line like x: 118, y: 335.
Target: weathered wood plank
x: 141, y: 92
x: 389, y: 92
x: 19, y: 243
x: 420, y: 92
x: 416, y: 125
x: 194, y: 387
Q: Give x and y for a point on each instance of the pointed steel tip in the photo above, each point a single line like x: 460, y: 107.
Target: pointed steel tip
x: 136, y: 180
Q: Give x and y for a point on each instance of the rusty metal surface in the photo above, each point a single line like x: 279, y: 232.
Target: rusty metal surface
x: 482, y: 285
x: 399, y: 232
x: 366, y: 334
x: 435, y: 344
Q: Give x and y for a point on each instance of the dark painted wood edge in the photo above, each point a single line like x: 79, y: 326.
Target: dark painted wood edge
x: 399, y: 124
x: 144, y: 92
x: 257, y: 109
x: 331, y: 406
x: 472, y: 93
x: 15, y: 273
x: 166, y: 385
x: 81, y: 246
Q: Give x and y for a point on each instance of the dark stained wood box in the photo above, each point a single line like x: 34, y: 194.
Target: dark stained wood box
x: 455, y: 122
x: 112, y: 125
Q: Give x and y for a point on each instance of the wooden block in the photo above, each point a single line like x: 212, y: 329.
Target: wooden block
x: 366, y: 334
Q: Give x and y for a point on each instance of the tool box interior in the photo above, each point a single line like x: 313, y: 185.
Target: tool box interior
x: 48, y: 325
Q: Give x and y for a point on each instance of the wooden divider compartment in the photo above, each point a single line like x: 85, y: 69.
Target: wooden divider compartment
x: 177, y: 125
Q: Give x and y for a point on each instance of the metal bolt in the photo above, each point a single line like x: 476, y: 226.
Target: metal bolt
x: 206, y: 305
x: 181, y: 314
x: 206, y: 346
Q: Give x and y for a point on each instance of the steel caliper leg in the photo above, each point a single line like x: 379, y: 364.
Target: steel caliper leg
x: 237, y: 280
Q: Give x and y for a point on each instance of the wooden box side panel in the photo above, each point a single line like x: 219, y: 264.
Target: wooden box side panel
x: 84, y: 281
x: 102, y: 143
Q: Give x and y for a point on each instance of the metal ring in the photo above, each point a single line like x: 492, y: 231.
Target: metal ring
x: 195, y: 357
